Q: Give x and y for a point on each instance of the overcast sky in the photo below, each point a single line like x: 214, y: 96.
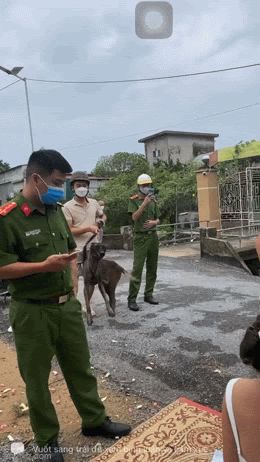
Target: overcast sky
x: 84, y: 40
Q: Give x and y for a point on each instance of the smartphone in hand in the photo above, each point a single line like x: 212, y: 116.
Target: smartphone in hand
x: 73, y: 254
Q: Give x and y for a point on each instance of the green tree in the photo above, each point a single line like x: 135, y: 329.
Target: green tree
x: 177, y: 189
x: 120, y: 162
x: 115, y: 194
x: 4, y: 166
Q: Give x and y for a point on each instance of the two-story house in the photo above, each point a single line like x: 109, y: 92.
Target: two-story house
x: 173, y: 146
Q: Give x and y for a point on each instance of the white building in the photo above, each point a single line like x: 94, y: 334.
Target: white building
x: 173, y: 146
x: 96, y: 182
x: 11, y: 182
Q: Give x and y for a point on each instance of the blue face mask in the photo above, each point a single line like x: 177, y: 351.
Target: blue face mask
x: 52, y: 195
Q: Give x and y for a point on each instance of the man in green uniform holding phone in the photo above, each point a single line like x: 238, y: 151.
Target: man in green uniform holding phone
x: 144, y: 212
x: 36, y: 255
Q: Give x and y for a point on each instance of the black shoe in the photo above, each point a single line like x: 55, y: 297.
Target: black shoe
x: 151, y: 300
x: 133, y: 306
x: 51, y: 453
x: 108, y: 429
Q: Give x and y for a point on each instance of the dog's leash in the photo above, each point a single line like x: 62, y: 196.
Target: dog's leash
x: 100, y: 225
x: 84, y: 251
x: 91, y: 239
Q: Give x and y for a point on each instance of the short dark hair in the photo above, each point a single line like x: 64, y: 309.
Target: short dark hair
x: 250, y: 345
x: 45, y: 161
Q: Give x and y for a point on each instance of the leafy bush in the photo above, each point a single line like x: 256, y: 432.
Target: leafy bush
x: 176, y: 184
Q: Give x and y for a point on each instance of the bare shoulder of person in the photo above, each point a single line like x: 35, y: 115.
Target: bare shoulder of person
x: 246, y: 391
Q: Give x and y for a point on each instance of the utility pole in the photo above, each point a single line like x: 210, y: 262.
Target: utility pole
x: 176, y: 205
x: 15, y: 71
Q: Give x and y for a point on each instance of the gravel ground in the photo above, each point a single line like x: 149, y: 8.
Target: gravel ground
x: 192, y: 338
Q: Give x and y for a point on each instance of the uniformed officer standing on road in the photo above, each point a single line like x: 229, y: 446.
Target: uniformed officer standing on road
x: 145, y: 215
x: 36, y: 252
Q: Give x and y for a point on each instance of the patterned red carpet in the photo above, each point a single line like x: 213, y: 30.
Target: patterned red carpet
x: 184, y: 431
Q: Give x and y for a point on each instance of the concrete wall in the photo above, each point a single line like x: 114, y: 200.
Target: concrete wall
x: 120, y: 241
x: 220, y: 250
x: 182, y: 148
x: 127, y: 234
x: 113, y: 241
x: 188, y: 218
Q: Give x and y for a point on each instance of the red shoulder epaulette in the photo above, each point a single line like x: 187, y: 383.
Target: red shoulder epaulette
x: 135, y: 196
x: 7, y: 208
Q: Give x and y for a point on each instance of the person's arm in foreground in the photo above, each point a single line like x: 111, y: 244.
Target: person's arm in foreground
x: 74, y: 276
x: 52, y: 264
x: 229, y: 444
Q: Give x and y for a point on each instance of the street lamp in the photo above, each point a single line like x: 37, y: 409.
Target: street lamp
x: 15, y: 71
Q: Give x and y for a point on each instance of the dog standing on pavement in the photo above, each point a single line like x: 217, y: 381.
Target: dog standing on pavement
x: 105, y: 273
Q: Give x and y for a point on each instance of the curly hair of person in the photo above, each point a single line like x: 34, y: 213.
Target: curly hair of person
x: 250, y: 345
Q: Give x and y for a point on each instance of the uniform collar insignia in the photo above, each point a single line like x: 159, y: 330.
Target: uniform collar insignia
x: 26, y: 209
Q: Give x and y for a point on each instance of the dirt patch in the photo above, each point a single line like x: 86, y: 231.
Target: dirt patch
x: 121, y: 406
x: 181, y: 250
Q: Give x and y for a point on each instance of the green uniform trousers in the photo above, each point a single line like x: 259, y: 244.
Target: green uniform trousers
x: 42, y: 331
x: 146, y: 248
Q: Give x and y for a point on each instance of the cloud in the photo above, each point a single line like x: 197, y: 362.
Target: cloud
x: 103, y: 46
x: 61, y: 39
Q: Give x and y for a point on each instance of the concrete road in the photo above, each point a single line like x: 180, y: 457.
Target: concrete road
x: 189, y: 343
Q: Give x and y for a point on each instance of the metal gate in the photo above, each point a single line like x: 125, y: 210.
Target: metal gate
x: 239, y: 196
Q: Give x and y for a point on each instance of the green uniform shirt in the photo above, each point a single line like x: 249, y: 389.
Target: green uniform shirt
x: 26, y: 235
x: 151, y: 212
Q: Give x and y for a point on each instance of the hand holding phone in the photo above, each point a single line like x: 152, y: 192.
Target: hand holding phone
x: 72, y: 254
x: 59, y: 262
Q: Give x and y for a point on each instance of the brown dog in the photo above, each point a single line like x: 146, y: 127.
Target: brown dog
x: 105, y: 273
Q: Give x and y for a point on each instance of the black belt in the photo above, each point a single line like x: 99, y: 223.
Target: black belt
x: 50, y: 301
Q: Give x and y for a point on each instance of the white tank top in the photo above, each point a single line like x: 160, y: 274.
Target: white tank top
x: 229, y: 404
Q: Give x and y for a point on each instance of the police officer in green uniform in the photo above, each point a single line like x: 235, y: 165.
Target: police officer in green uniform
x: 36, y: 255
x: 145, y: 215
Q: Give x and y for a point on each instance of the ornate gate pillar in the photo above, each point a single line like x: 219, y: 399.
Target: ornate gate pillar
x: 208, y: 199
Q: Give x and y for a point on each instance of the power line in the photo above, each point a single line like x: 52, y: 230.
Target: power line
x: 94, y: 82
x: 162, y: 128
x: 3, y: 88
x: 226, y: 112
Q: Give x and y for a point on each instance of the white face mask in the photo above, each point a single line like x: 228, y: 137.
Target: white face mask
x: 146, y: 190
x: 81, y: 192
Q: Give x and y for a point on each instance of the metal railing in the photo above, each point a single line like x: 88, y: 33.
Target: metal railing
x: 174, y: 233
x: 240, y: 233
